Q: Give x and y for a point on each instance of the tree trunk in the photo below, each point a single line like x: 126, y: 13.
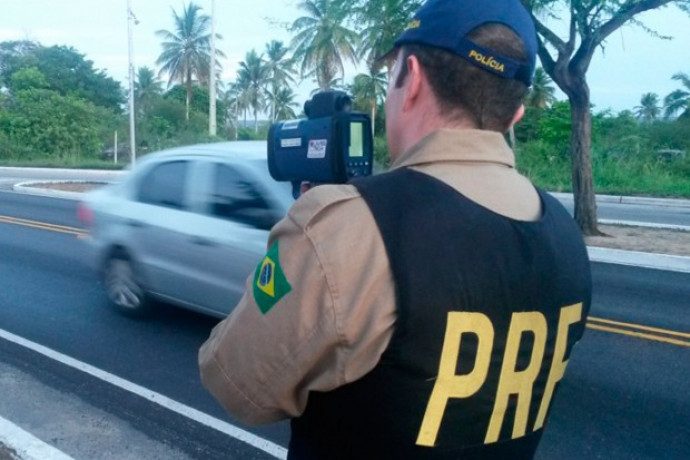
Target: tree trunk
x: 581, y: 159
x: 189, y: 95
x: 237, y: 120
x: 373, y: 119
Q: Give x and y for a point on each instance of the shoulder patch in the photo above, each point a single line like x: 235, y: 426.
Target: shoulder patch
x: 270, y: 284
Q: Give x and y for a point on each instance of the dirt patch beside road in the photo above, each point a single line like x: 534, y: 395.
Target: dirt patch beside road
x: 76, y: 186
x: 642, y: 239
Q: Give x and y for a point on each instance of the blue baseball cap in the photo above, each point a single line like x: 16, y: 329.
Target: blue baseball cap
x: 445, y: 24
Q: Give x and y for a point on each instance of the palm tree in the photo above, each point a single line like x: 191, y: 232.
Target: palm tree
x: 679, y: 100
x: 233, y: 103
x: 284, y: 104
x: 649, y: 109
x: 187, y: 50
x: 252, y: 77
x: 542, y: 94
x: 147, y: 88
x: 382, y: 21
x: 369, y: 90
x: 242, y: 88
x: 280, y: 71
x: 336, y: 83
x: 322, y: 41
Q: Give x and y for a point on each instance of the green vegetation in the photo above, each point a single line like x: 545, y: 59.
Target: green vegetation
x: 57, y: 110
x: 630, y: 155
x: 565, y: 54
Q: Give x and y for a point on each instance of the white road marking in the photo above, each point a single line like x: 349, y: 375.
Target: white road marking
x: 257, y: 442
x: 639, y: 259
x: 27, y: 446
x: 632, y: 223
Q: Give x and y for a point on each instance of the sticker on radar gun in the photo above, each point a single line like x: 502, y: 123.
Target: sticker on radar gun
x: 317, y: 148
x: 294, y: 142
x: 270, y: 284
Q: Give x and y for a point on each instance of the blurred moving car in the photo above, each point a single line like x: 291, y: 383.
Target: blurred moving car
x: 186, y: 226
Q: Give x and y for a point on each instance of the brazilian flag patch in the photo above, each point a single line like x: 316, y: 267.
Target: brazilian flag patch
x: 270, y: 284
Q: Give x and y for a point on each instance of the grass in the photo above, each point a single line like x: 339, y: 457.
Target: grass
x: 634, y: 176
x: 641, y: 179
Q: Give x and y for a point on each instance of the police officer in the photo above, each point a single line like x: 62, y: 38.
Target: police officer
x: 430, y: 311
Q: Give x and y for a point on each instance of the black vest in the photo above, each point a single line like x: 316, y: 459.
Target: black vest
x: 479, y: 300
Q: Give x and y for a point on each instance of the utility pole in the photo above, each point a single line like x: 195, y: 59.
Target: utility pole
x: 132, y: 142
x: 212, y: 79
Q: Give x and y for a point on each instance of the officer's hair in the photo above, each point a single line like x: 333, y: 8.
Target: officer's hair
x: 464, y: 90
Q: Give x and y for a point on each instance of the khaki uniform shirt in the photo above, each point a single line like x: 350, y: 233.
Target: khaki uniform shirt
x: 334, y: 324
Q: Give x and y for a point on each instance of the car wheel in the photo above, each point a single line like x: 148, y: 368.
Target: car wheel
x: 123, y: 287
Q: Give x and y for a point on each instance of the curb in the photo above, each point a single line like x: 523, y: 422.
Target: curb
x: 665, y: 262
x: 81, y: 172
x: 22, y: 445
x: 632, y: 223
x: 672, y: 202
x: 28, y: 187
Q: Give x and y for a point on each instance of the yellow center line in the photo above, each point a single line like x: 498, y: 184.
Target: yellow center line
x: 639, y: 335
x: 43, y: 226
x: 639, y: 326
x: 591, y: 324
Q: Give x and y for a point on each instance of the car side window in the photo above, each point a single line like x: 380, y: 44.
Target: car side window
x: 165, y: 185
x: 234, y: 197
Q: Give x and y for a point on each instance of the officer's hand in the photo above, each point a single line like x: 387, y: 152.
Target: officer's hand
x: 304, y: 186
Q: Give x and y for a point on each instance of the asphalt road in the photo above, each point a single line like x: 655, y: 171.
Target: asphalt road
x: 52, y: 297
x: 626, y: 394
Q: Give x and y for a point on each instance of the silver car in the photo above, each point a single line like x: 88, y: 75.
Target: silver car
x: 186, y: 226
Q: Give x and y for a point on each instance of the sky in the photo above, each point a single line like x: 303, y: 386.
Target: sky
x: 632, y: 63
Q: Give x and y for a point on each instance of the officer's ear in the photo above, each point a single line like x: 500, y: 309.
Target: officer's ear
x: 415, y: 79
x: 518, y: 115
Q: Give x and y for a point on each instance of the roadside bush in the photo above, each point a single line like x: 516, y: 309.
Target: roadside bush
x: 638, y: 176
x: 199, y: 102
x: 247, y: 133
x: 10, y: 151
x: 545, y: 165
x: 554, y: 129
x: 683, y: 167
x: 620, y: 136
x: 382, y: 160
x: 674, y: 135
x: 54, y: 126
x: 164, y: 126
x: 527, y: 129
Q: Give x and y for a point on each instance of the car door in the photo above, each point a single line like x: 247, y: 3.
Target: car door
x: 233, y: 222
x: 159, y: 225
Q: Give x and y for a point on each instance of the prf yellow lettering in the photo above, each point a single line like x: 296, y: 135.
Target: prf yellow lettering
x: 569, y: 315
x: 448, y: 384
x: 518, y: 382
x: 511, y: 382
